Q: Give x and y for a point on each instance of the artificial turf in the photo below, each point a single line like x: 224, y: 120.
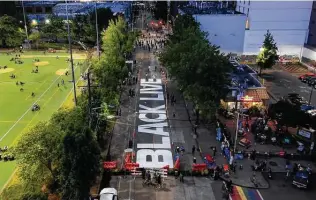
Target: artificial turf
x: 16, y: 116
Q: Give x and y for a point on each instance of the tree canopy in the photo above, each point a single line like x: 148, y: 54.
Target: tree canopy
x: 11, y: 35
x: 268, y: 54
x: 199, y: 68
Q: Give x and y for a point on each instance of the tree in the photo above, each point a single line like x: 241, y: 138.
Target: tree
x: 267, y: 56
x: 38, y: 153
x: 161, y: 10
x: 104, y: 17
x: 55, y: 29
x: 84, y: 29
x: 80, y: 160
x: 35, y: 37
x: 200, y: 69
x: 10, y: 33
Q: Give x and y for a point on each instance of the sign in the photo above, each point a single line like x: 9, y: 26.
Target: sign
x: 246, y: 98
x: 153, y: 146
x: 304, y: 133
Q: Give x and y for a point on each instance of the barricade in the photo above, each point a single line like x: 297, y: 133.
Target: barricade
x: 131, y: 166
x: 199, y: 167
x: 110, y: 165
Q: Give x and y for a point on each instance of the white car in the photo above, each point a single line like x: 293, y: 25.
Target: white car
x: 108, y: 194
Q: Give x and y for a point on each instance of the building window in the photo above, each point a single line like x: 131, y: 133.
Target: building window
x: 149, y: 158
x: 244, y: 1
x: 248, y: 2
x: 247, y: 24
x: 248, y: 12
x: 243, y: 9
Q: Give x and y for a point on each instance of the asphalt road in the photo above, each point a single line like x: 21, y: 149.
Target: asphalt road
x: 280, y: 83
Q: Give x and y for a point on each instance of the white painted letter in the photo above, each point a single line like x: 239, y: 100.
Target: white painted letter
x: 153, y: 157
x: 165, y: 144
x: 152, y: 110
x: 156, y: 129
x: 160, y: 118
x: 158, y: 98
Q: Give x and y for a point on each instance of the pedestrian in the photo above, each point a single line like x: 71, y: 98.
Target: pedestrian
x: 174, y: 114
x: 194, y: 160
x: 120, y: 112
x: 57, y: 84
x: 182, y: 150
x: 181, y: 178
x: 214, y: 151
x: 193, y: 149
x: 178, y: 149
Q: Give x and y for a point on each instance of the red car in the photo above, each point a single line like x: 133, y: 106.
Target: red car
x: 307, y: 75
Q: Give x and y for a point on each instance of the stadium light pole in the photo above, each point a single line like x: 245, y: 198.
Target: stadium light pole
x: 71, y: 59
x: 97, y: 29
x: 25, y: 26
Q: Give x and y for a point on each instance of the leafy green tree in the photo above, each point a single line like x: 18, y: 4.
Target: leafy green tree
x: 55, y: 29
x: 104, y: 17
x: 35, y: 37
x: 10, y: 33
x: 161, y: 10
x: 200, y: 69
x: 268, y: 54
x: 84, y: 29
x: 80, y: 161
x: 38, y: 152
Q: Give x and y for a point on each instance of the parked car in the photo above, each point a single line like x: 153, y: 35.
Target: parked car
x: 307, y: 78
x: 108, y: 194
x: 310, y: 74
x: 306, y: 108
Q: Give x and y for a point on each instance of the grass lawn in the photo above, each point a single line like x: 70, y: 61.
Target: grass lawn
x: 15, y: 105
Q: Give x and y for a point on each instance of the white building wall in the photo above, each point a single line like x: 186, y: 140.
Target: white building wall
x: 288, y: 22
x: 226, y: 31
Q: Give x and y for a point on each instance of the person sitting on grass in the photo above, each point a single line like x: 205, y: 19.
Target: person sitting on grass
x: 21, y: 89
x: 33, y: 94
x: 22, y: 83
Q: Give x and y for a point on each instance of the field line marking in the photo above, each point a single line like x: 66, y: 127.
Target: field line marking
x: 36, y: 89
x: 39, y: 98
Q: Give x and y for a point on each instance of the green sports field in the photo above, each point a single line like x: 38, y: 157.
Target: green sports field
x: 15, y: 105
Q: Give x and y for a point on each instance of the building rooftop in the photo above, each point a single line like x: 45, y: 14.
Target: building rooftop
x: 208, y: 7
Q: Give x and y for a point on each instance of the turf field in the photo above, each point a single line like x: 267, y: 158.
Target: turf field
x: 15, y: 104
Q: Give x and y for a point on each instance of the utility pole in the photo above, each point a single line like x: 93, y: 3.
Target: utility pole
x: 25, y: 26
x: 168, y: 13
x: 89, y: 92
x: 97, y: 29
x: 310, y: 95
x: 71, y: 58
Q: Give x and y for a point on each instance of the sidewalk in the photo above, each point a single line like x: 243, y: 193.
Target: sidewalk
x: 125, y: 125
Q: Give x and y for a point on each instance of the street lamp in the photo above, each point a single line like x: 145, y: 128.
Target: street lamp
x: 34, y: 22
x: 47, y: 21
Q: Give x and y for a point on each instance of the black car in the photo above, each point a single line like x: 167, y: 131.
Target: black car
x: 307, y: 79
x: 311, y: 80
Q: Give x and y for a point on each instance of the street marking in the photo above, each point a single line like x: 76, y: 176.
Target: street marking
x: 12, y: 121
x: 242, y: 193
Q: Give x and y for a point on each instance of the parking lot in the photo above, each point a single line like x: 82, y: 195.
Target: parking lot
x: 280, y: 83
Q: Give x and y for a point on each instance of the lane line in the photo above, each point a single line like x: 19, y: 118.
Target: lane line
x: 259, y: 194
x: 39, y: 98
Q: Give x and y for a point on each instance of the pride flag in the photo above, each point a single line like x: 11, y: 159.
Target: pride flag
x: 240, y: 193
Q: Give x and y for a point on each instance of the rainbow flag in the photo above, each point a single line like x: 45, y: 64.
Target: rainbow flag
x: 240, y: 193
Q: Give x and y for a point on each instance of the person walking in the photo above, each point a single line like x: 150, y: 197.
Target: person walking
x: 193, y: 149
x: 194, y: 160
x: 214, y: 151
x: 181, y: 177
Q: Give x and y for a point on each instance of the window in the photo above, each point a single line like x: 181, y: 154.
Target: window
x: 243, y: 9
x: 149, y: 158
x: 248, y: 2
x: 247, y: 24
x: 244, y: 1
x: 160, y: 158
x: 248, y: 12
